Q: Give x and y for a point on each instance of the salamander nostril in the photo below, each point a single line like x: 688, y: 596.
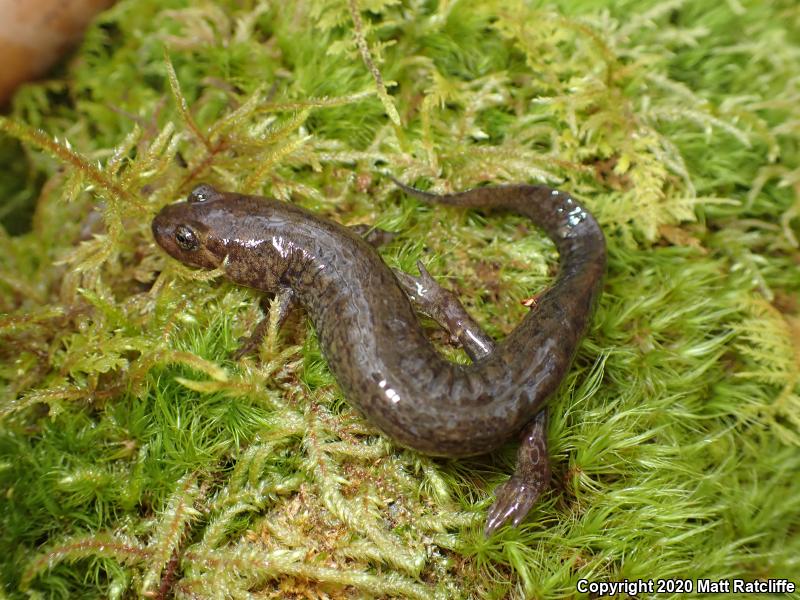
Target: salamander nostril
x: 157, y: 227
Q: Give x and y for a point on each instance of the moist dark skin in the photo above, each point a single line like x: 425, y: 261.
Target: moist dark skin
x: 371, y: 337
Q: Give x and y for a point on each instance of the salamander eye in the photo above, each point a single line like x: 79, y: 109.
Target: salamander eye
x: 202, y: 192
x: 186, y: 238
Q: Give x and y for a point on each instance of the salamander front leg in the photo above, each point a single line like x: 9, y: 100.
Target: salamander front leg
x: 277, y: 309
x: 515, y: 497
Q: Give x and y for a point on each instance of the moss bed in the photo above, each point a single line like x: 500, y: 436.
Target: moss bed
x: 138, y: 459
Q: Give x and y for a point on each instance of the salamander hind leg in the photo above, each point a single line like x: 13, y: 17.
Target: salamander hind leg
x: 515, y: 497
x: 444, y: 307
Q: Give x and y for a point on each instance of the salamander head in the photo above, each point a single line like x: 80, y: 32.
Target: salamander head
x: 186, y: 229
x: 211, y: 226
x: 254, y: 239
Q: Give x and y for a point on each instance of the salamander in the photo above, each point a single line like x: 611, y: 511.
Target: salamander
x: 371, y: 337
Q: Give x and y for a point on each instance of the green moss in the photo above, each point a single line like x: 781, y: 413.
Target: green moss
x: 138, y: 459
